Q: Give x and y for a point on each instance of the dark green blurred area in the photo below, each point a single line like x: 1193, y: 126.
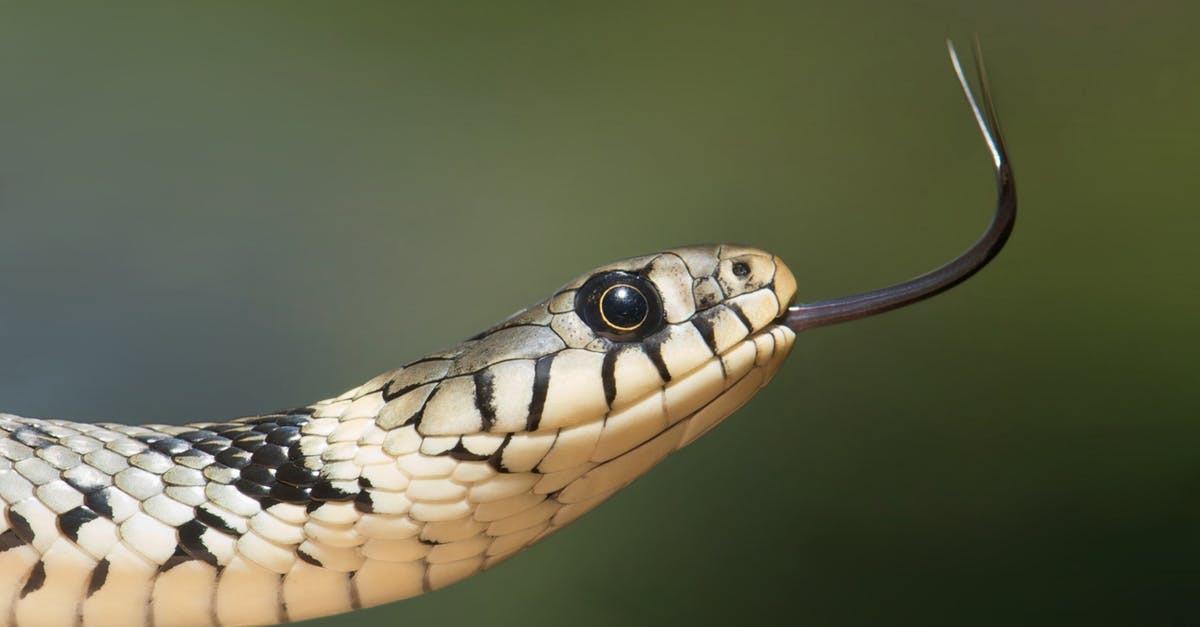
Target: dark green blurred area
x: 212, y: 210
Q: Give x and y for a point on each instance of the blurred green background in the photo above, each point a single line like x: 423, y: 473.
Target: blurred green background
x: 212, y: 209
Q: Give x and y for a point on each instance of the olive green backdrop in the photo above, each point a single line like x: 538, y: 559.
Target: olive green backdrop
x: 212, y: 210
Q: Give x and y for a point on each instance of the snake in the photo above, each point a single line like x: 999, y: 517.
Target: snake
x: 426, y: 474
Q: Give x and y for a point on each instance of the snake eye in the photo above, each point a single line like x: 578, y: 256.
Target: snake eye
x: 621, y: 306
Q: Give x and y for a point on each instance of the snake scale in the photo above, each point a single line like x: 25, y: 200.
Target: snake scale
x: 423, y: 475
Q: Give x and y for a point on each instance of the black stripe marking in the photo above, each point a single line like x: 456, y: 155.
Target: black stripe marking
x: 170, y: 446
x: 37, y: 577
x: 460, y: 452
x: 308, y: 558
x: 541, y: 384
x: 20, y: 526
x: 253, y: 490
x: 203, y: 515
x: 234, y: 457
x: 71, y: 520
x: 9, y: 540
x: 82, y: 485
x: 653, y: 349
x: 737, y: 311
x: 98, y: 502
x: 558, y: 432
x: 485, y: 397
x: 178, y: 557
x: 608, y: 376
x: 191, y: 540
x: 296, y: 474
x: 99, y: 576
x: 415, y: 420
x: 32, y: 437
x: 707, y: 331
x: 324, y: 490
x: 496, y: 460
x: 363, y: 502
x: 389, y: 394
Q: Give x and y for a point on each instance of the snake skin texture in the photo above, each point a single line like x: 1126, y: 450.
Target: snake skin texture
x: 410, y: 482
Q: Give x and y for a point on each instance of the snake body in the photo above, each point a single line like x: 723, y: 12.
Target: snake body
x: 414, y: 480
x: 426, y: 474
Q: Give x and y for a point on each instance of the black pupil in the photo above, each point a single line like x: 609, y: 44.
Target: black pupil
x: 624, y: 307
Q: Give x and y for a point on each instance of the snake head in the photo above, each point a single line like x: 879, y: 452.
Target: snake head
x: 648, y: 340
x: 634, y: 359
